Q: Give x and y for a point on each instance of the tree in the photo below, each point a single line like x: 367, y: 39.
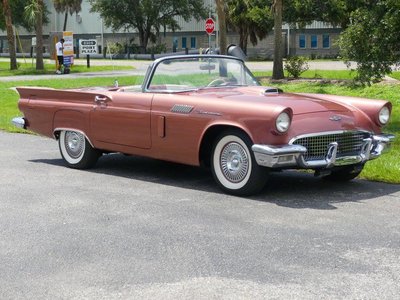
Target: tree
x: 302, y: 12
x: 10, y: 34
x: 252, y: 19
x: 147, y: 17
x: 222, y: 26
x: 372, y: 39
x: 67, y: 6
x: 13, y: 16
x: 34, y: 14
x: 277, y: 70
x: 17, y: 13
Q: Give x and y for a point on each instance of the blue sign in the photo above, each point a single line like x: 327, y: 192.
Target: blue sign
x: 67, y: 61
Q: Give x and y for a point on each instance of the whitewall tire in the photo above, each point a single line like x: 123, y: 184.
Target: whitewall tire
x: 76, y: 150
x: 233, y: 165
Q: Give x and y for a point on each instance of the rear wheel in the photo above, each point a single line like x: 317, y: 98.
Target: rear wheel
x: 342, y: 174
x: 76, y: 150
x: 233, y: 164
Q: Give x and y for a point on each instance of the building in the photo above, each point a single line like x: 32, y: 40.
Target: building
x: 316, y: 40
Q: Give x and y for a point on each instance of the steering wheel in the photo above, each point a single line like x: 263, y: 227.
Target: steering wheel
x: 218, y: 82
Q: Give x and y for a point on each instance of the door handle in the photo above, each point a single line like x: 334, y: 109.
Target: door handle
x: 100, y: 99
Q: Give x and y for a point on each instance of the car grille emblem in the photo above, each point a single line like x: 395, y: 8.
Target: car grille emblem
x: 335, y: 118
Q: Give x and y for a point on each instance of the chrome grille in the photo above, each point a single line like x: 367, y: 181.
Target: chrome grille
x: 349, y: 143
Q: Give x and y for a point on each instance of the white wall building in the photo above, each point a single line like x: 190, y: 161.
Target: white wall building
x: 317, y: 39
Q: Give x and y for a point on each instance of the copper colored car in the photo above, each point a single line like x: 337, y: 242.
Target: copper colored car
x: 210, y: 110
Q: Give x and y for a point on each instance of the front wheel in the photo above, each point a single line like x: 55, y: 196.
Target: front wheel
x: 233, y: 165
x: 76, y: 150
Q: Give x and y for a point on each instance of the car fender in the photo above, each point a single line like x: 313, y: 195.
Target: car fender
x: 69, y: 119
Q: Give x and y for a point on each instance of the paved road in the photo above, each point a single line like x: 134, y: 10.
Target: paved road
x: 145, y: 229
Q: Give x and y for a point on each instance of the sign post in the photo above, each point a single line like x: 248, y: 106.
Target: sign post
x: 88, y: 47
x: 209, y: 27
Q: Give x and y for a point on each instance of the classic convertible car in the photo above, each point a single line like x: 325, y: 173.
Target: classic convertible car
x: 210, y: 110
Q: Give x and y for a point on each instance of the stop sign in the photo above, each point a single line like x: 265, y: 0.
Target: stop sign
x: 210, y: 25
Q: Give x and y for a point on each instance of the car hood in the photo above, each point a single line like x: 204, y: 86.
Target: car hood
x: 300, y: 104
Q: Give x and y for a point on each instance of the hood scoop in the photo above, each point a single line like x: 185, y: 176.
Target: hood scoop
x: 271, y: 91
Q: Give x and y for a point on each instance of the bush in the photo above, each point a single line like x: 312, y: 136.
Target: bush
x: 115, y: 48
x: 157, y: 49
x: 296, y: 65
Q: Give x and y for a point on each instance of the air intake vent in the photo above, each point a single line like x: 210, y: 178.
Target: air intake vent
x: 270, y: 91
x: 181, y: 109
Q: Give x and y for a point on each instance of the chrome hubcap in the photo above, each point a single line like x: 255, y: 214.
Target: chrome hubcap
x: 234, y: 162
x: 74, y: 143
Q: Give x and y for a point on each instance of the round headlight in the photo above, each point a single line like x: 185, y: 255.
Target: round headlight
x: 384, y: 115
x: 282, y: 122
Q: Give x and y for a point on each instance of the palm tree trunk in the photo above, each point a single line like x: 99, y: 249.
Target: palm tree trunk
x: 222, y: 26
x: 277, y: 71
x: 39, y: 37
x: 10, y: 35
x: 65, y: 21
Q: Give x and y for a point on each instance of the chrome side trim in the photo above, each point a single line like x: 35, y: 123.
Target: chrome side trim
x: 210, y: 113
x: 71, y: 129
x: 19, y: 122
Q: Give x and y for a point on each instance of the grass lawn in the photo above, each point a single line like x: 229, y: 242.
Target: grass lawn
x: 27, y: 68
x: 395, y: 75
x: 325, y: 74
x: 385, y: 168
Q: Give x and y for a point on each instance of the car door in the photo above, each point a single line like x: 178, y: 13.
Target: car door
x: 122, y: 118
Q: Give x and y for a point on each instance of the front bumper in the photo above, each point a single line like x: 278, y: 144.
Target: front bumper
x: 292, y: 156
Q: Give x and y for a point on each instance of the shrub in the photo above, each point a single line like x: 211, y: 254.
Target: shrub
x: 296, y: 65
x: 157, y: 49
x: 115, y: 48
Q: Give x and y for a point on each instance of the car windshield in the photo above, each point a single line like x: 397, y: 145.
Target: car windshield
x: 183, y: 74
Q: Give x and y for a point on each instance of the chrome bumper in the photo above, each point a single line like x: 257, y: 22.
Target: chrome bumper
x: 288, y: 156
x: 19, y: 122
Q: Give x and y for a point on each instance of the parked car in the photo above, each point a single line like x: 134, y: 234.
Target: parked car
x: 210, y: 110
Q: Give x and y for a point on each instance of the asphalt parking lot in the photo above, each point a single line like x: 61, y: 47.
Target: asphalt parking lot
x: 135, y: 228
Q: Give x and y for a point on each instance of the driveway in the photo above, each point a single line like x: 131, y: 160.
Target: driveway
x: 145, y: 229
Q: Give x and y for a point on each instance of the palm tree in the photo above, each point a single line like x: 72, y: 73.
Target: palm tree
x: 222, y: 26
x: 10, y: 35
x: 67, y: 6
x: 277, y: 71
x: 34, y: 15
x: 252, y: 19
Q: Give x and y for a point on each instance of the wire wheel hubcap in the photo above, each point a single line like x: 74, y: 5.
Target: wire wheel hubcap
x: 74, y: 144
x: 234, y: 162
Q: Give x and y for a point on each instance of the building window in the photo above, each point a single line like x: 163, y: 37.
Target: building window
x: 326, y: 41
x: 184, y: 44
x: 302, y: 41
x: 314, y: 41
x: 192, y: 42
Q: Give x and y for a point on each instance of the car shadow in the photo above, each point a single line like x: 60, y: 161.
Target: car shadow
x: 292, y: 189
